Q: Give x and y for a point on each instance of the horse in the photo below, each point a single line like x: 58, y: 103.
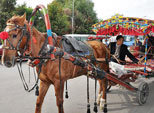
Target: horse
x: 49, y: 74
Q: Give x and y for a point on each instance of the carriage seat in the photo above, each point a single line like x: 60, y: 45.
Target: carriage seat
x: 122, y: 70
x: 75, y: 47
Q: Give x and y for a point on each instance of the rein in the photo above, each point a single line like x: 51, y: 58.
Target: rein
x: 20, y: 53
x: 26, y: 87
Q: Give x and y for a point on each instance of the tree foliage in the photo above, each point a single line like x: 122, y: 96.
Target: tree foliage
x: 6, y: 11
x: 84, y: 15
x: 7, y: 5
x: 21, y: 9
x: 60, y: 13
x: 59, y: 22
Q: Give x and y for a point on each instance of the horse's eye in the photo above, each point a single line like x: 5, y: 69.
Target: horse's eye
x: 14, y: 36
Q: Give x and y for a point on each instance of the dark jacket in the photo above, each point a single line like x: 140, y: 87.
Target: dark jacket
x: 123, y: 52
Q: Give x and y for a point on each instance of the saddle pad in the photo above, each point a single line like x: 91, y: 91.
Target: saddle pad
x: 73, y: 46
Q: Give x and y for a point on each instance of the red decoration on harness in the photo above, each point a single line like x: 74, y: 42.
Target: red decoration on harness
x: 34, y: 40
x: 4, y: 35
x: 33, y: 63
x: 37, y: 61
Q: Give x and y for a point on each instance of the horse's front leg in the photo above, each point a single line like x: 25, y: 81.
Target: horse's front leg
x: 59, y: 89
x: 42, y: 92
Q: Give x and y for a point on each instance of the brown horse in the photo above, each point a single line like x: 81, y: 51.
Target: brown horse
x: 50, y: 71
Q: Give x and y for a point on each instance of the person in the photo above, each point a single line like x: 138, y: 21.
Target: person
x: 138, y: 42
x: 118, y: 52
x: 150, y: 45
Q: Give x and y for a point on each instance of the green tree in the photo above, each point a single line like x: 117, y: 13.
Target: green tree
x: 6, y: 11
x: 58, y: 19
x: 38, y: 23
x: 84, y: 15
x: 7, y: 5
x: 21, y: 9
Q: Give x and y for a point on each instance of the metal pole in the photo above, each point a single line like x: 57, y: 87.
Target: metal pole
x: 73, y: 17
x: 145, y: 60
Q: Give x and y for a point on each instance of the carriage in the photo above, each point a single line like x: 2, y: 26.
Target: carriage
x: 21, y: 39
x: 132, y: 27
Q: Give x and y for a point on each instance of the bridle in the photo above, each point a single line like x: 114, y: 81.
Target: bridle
x: 24, y: 32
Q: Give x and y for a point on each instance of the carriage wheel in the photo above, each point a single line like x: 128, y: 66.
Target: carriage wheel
x: 142, y: 93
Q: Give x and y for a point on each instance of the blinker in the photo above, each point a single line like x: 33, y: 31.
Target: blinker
x: 14, y: 36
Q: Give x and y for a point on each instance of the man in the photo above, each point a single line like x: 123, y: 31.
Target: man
x: 137, y: 42
x: 119, y: 51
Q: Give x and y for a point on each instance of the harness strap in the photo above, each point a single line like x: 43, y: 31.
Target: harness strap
x: 95, y: 103
x: 61, y: 93
x: 26, y: 87
x: 12, y: 47
x: 88, y: 100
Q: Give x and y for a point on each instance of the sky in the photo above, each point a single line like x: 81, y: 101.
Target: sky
x: 107, y: 8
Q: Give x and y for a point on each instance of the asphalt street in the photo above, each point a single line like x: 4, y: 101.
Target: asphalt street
x: 14, y: 99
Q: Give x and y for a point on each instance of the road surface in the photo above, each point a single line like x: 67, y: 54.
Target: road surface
x: 14, y: 99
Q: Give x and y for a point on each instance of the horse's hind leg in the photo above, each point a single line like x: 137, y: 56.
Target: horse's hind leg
x: 59, y: 88
x: 100, y: 91
x: 103, y: 99
x: 42, y: 92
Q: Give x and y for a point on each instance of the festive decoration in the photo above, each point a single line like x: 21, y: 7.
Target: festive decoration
x: 4, y: 35
x: 145, y: 60
x: 47, y: 22
x: 122, y: 25
x: 149, y: 30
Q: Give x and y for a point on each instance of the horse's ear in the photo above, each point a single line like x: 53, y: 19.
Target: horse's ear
x: 23, y: 17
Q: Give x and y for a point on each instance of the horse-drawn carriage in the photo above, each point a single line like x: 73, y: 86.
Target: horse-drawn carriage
x: 132, y: 27
x: 55, y: 65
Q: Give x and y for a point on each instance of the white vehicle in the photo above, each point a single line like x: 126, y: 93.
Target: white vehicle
x: 80, y: 37
x: 83, y: 37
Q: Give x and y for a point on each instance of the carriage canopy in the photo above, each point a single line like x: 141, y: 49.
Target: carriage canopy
x: 123, y: 25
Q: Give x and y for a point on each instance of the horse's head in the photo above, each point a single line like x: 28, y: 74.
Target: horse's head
x: 16, y: 29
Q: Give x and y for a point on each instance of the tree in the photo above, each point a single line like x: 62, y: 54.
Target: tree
x: 6, y: 11
x: 84, y: 15
x: 38, y: 23
x: 7, y: 5
x: 59, y: 22
x: 21, y: 9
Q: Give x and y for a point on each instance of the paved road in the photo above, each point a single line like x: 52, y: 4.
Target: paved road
x: 13, y: 98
